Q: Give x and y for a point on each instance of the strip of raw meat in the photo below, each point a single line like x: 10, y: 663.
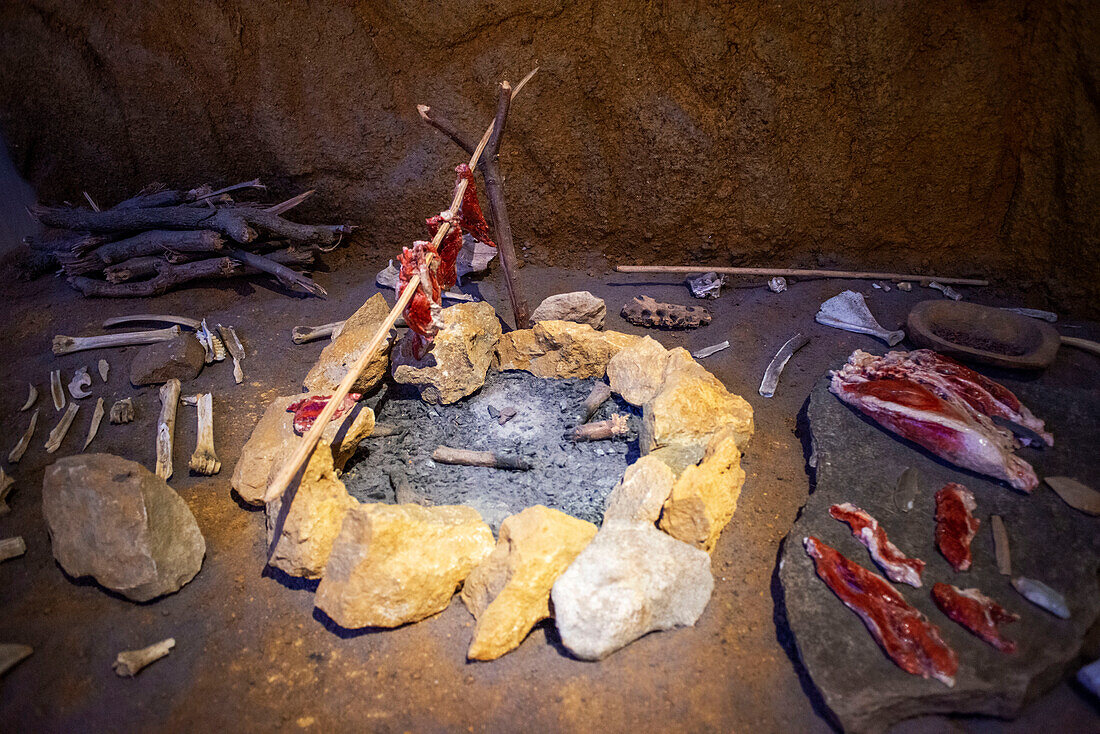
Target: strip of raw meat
x: 448, y: 250
x: 912, y: 411
x: 954, y: 382
x: 473, y: 221
x: 421, y: 313
x: 306, y: 410
x: 899, y: 568
x: 901, y: 631
x: 976, y: 612
x: 955, y: 524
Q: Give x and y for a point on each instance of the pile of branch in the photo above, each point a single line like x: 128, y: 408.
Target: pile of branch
x: 162, y: 238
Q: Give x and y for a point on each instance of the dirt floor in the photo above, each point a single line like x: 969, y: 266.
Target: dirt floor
x: 251, y: 653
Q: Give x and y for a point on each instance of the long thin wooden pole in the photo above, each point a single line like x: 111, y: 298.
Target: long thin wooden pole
x: 796, y: 273
x: 309, y: 442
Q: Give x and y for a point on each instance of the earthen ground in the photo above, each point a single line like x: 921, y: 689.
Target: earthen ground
x: 252, y: 655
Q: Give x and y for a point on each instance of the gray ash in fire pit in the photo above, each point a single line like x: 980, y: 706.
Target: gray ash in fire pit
x: 572, y: 477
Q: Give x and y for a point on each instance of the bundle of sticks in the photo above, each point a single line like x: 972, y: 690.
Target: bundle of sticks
x: 163, y: 238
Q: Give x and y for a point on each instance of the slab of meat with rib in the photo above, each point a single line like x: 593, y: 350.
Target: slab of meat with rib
x: 898, y: 567
x: 906, y: 635
x: 955, y: 524
x: 976, y: 612
x: 900, y: 400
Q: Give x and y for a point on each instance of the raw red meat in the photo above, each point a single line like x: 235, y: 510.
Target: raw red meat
x: 975, y: 611
x: 307, y: 409
x: 421, y: 313
x: 946, y: 426
x: 899, y: 568
x: 953, y: 382
x: 473, y: 221
x: 901, y: 631
x: 955, y: 525
x: 448, y: 249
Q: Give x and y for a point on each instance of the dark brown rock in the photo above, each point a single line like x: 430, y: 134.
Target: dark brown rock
x: 181, y: 358
x: 645, y: 311
x: 114, y: 520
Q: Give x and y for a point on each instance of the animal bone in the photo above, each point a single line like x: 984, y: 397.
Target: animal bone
x: 848, y: 310
x: 236, y: 350
x: 32, y: 395
x: 1034, y: 313
x: 211, y: 344
x: 616, y: 425
x: 11, y: 655
x: 1042, y: 595
x: 779, y: 361
x: 599, y: 395
x: 947, y: 290
x: 490, y: 459
x: 147, y: 317
x: 713, y: 349
x: 57, y: 435
x: 81, y: 379
x: 12, y: 547
x: 122, y: 411
x: 97, y: 417
x: 104, y: 369
x: 204, y: 461
x: 21, y: 447
x: 166, y: 426
x: 778, y: 284
x: 69, y: 344
x: 645, y: 311
x: 905, y: 286
x: 1076, y: 495
x: 130, y: 662
x: 303, y: 334
x: 57, y: 392
x: 707, y: 285
x: 6, y: 483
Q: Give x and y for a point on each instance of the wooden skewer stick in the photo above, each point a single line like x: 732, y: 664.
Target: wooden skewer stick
x: 302, y: 453
x: 309, y: 442
x: 796, y: 273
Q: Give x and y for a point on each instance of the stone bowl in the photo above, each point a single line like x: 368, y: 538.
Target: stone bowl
x: 974, y: 333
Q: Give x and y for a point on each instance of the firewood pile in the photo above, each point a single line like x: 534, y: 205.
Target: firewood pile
x: 163, y: 238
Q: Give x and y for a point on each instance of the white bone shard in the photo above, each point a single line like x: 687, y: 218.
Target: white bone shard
x: 166, y: 426
x: 57, y: 391
x: 32, y: 395
x: 81, y: 380
x: 130, y: 662
x: 848, y: 310
x: 104, y: 369
x: 12, y: 547
x: 21, y: 447
x: 97, y: 418
x: 57, y: 435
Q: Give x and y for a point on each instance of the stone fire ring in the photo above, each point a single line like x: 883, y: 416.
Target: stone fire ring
x: 646, y: 568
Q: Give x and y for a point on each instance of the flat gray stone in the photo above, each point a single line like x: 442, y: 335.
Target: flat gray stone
x: 859, y: 462
x: 579, y: 306
x: 116, y: 521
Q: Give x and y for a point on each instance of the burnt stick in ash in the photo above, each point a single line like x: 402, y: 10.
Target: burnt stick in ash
x: 616, y: 425
x: 601, y: 391
x: 490, y: 459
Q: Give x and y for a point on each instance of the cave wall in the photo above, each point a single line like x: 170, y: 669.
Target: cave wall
x: 958, y: 137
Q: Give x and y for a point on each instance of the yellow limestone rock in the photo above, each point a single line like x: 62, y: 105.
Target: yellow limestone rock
x: 692, y: 404
x: 396, y: 564
x: 459, y: 357
x: 346, y: 347
x: 509, y: 593
x: 554, y: 349
x: 704, y: 497
x: 638, y: 371
x: 304, y: 522
x: 641, y: 493
x: 273, y: 440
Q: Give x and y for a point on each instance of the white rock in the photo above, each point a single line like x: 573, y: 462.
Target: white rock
x: 579, y: 306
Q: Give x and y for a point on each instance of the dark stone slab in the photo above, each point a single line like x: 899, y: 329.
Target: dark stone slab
x: 859, y: 462
x: 181, y: 358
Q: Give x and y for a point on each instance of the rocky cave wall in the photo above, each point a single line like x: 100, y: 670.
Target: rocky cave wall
x: 962, y: 138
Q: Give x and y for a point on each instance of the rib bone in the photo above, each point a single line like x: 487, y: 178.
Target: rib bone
x: 152, y: 317
x: 32, y: 395
x: 204, y: 460
x: 57, y: 392
x: 166, y: 426
x: 81, y: 380
x: 69, y: 344
x: 130, y: 662
x: 236, y: 350
x: 21, y: 447
x: 122, y: 411
x: 57, y: 435
x: 97, y: 417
